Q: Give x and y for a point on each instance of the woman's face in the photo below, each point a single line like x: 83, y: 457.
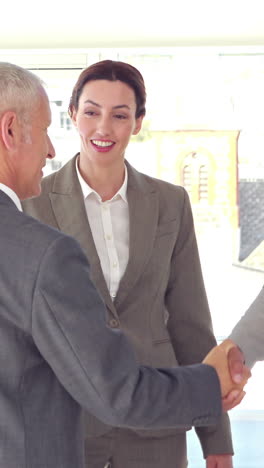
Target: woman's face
x: 106, y: 120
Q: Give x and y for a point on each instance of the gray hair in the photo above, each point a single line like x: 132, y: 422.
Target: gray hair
x: 19, y: 90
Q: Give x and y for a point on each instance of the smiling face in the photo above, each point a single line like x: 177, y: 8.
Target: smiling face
x: 105, y: 120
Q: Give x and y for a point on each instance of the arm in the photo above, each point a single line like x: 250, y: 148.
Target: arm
x: 248, y: 334
x: 228, y: 361
x: 189, y: 323
x: 96, y: 364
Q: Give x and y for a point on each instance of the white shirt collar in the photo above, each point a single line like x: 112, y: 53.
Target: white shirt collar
x: 11, y: 194
x: 87, y: 190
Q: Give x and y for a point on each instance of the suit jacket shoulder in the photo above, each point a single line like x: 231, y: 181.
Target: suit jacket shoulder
x: 172, y: 200
x: 61, y: 183
x: 147, y: 184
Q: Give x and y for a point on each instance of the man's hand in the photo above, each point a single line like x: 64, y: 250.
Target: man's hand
x: 236, y: 364
x: 232, y: 399
x: 219, y: 461
x: 233, y: 375
x: 236, y: 369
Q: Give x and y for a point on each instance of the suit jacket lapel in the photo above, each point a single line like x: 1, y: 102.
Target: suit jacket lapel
x: 143, y: 212
x: 66, y: 197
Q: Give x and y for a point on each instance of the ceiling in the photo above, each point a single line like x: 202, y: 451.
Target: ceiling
x: 120, y: 23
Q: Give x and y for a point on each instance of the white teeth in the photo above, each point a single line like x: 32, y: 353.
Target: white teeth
x: 102, y: 143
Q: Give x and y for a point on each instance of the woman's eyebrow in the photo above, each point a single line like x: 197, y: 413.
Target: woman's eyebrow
x: 98, y: 105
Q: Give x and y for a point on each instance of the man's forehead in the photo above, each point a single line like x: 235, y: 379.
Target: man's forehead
x: 42, y: 110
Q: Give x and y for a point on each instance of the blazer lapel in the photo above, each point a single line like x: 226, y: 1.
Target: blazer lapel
x: 66, y: 197
x: 143, y: 213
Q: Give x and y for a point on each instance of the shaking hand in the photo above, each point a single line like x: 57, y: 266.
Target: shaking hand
x: 228, y: 362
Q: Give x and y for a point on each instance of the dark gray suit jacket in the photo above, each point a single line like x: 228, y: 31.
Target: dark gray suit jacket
x: 161, y: 303
x: 57, y: 353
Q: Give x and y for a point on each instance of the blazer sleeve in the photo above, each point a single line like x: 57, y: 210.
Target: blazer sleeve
x: 248, y: 333
x: 189, y: 319
x: 96, y: 364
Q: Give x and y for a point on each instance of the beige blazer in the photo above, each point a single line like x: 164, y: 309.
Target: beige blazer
x: 161, y: 304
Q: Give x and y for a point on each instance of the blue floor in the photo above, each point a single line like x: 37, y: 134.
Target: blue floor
x: 248, y: 441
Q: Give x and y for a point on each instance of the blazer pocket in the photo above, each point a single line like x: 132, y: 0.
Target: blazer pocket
x: 162, y: 354
x: 167, y: 228
x: 161, y: 341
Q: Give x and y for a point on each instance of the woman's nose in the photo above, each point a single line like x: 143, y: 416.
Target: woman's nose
x: 104, y: 126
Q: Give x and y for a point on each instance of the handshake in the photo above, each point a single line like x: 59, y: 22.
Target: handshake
x: 228, y: 361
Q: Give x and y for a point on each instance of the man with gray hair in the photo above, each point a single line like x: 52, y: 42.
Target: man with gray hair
x: 56, y: 351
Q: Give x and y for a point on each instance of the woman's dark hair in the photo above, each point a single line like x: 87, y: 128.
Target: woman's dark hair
x: 112, y: 71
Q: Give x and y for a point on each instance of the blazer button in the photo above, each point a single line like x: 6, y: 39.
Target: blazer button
x: 114, y: 323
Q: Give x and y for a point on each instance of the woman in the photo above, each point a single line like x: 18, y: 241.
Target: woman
x: 138, y: 235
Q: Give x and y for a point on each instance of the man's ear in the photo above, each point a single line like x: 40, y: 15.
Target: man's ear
x: 9, y: 129
x: 138, y: 125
